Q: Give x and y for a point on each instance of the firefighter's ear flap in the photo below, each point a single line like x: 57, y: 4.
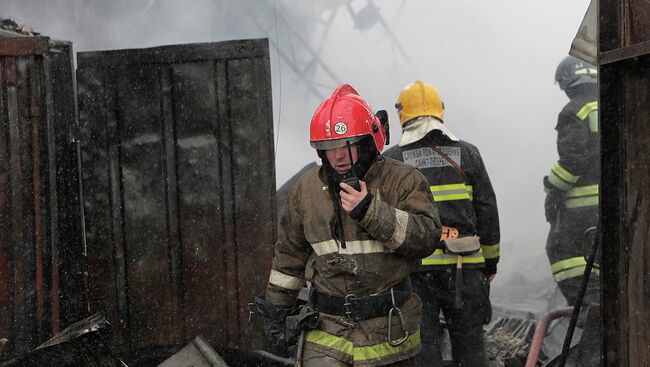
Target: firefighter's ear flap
x: 382, y: 115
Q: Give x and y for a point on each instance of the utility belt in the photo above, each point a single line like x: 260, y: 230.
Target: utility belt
x: 355, y: 307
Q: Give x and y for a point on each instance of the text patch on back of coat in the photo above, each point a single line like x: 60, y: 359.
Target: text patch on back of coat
x: 428, y: 158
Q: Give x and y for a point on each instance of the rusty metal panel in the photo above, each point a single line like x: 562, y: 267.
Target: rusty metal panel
x: 179, y: 187
x: 624, y: 24
x: 624, y: 109
x: 39, y: 211
x: 637, y: 18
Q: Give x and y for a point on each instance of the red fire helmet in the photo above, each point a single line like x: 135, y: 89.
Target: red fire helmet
x: 344, y: 117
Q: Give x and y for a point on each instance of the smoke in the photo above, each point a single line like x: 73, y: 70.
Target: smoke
x: 493, y: 63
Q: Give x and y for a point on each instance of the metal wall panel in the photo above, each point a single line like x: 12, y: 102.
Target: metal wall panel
x: 623, y: 23
x: 41, y: 241
x: 625, y: 204
x: 179, y: 189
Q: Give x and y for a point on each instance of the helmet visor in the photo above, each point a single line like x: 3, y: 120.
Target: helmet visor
x: 335, y: 143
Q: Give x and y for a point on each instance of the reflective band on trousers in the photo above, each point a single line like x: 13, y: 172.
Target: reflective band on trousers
x: 561, y: 178
x: 582, y: 196
x: 366, y: 353
x: 439, y: 257
x: 491, y: 251
x: 458, y: 191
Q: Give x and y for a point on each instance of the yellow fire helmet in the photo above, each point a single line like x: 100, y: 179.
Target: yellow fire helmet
x: 419, y: 99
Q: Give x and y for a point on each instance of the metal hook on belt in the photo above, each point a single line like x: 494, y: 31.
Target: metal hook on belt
x: 398, y: 342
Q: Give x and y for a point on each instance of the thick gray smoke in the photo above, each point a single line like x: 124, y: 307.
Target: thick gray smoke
x: 492, y: 61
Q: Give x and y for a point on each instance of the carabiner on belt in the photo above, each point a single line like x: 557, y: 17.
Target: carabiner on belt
x: 397, y: 342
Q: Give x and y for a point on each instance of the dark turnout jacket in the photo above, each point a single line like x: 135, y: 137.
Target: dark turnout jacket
x: 466, y: 200
x: 575, y: 176
x: 400, y: 227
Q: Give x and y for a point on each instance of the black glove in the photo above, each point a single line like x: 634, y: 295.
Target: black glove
x: 359, y: 211
x: 550, y: 208
x: 552, y: 202
x: 274, y: 325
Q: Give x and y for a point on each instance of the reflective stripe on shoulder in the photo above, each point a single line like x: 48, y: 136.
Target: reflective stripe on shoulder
x: 459, y: 191
x: 587, y: 109
x: 286, y: 281
x: 491, y: 251
x: 352, y: 247
x: 366, y: 353
x: 590, y: 110
x: 439, y: 257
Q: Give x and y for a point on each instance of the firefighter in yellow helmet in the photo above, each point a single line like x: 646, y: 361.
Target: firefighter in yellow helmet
x: 454, y: 279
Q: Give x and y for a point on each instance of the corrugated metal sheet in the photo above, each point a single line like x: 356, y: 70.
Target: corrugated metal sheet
x: 41, y: 246
x: 179, y: 189
x: 625, y: 203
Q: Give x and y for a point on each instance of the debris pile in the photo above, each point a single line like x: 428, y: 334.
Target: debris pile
x: 10, y: 25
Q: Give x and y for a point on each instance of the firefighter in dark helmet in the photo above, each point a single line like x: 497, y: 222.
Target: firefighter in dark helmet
x: 454, y: 279
x: 572, y: 183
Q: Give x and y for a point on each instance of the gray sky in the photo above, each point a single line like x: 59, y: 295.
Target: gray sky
x: 493, y: 62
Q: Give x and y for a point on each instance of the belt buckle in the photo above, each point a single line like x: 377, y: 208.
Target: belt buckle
x: 349, y: 298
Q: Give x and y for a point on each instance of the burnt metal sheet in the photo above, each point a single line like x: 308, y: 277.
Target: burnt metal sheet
x: 623, y: 23
x: 23, y: 46
x: 179, y: 186
x: 39, y: 193
x: 624, y: 109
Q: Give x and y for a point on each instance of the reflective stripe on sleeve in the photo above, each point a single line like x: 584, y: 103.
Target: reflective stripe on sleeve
x: 561, y: 178
x: 573, y: 272
x: 351, y: 247
x: 491, y: 251
x: 439, y: 257
x: 286, y: 281
x: 568, y: 264
x: 401, y: 223
x: 366, y: 353
x: 458, y: 191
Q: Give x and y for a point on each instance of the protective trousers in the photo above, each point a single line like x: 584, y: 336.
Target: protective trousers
x: 437, y: 289
x: 567, y: 248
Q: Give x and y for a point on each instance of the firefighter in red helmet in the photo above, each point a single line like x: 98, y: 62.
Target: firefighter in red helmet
x: 354, y: 228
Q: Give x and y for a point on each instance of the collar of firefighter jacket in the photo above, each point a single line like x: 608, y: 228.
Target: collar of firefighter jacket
x: 367, y: 177
x: 420, y: 127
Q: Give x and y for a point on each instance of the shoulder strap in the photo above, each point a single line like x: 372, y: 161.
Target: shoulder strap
x: 448, y: 159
